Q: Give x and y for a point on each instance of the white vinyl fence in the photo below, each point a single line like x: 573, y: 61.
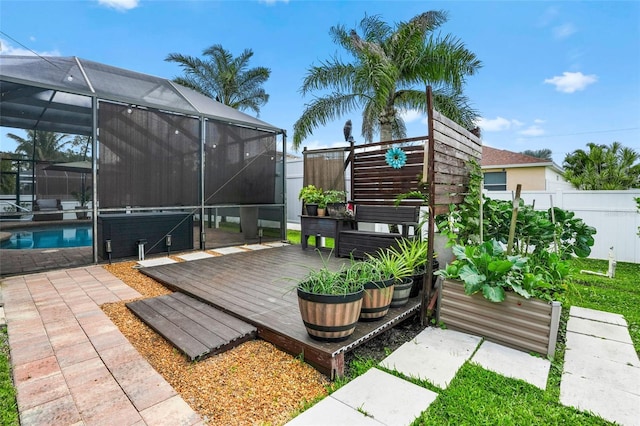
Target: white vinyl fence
x: 612, y: 213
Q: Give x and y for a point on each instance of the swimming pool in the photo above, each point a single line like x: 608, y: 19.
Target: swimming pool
x: 49, y: 237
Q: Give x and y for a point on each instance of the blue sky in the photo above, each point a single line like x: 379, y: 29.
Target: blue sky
x: 555, y: 75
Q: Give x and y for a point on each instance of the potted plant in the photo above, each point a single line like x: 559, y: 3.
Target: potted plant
x: 330, y: 303
x: 378, y: 288
x: 83, y: 197
x: 336, y: 202
x: 393, y: 266
x: 506, y: 298
x: 311, y: 197
x: 414, y: 253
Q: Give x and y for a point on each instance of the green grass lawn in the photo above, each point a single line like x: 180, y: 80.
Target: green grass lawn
x: 294, y: 238
x: 620, y: 295
x: 8, y: 407
x: 480, y: 397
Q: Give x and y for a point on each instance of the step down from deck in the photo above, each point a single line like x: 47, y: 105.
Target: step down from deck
x: 194, y: 327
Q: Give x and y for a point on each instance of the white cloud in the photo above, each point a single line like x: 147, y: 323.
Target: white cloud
x: 411, y: 115
x: 538, y: 121
x: 7, y: 48
x: 534, y: 130
x: 570, y: 82
x: 565, y: 30
x: 497, y: 124
x: 121, y: 5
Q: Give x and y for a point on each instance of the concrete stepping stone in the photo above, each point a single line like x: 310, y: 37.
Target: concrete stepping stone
x: 601, y: 373
x: 592, y: 314
x: 196, y: 255
x: 605, y: 401
x: 155, y: 262
x: 375, y: 398
x: 385, y: 397
x: 599, y: 329
x: 276, y: 244
x: 256, y: 247
x: 614, y: 374
x: 228, y: 250
x: 513, y: 363
x: 330, y: 411
x: 596, y: 347
x: 434, y: 355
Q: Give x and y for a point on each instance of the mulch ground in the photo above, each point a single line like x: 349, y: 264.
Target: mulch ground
x: 254, y: 383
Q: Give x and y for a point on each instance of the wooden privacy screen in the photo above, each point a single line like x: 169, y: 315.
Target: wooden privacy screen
x: 324, y: 168
x: 373, y: 181
x: 446, y: 158
x: 454, y: 146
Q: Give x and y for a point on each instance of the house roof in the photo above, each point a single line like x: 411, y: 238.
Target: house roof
x: 54, y: 94
x: 494, y: 158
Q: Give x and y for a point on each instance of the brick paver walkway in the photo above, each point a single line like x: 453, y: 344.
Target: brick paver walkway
x: 71, y: 364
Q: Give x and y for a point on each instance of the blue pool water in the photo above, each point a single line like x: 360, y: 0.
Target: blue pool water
x: 43, y: 238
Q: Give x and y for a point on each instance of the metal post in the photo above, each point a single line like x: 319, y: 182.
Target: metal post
x: 141, y: 244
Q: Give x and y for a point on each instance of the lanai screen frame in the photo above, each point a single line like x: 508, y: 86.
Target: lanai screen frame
x: 77, y: 79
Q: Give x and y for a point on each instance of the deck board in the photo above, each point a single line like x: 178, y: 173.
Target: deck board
x: 259, y: 287
x: 194, y: 327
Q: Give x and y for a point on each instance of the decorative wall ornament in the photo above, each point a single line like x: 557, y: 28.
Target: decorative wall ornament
x: 396, y: 158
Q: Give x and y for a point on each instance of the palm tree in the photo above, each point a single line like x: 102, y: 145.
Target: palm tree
x: 389, y: 74
x: 544, y: 153
x: 603, y: 167
x: 224, y: 78
x: 49, y: 145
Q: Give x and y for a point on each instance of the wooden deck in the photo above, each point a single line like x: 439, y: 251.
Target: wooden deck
x: 258, y: 287
x: 196, y: 328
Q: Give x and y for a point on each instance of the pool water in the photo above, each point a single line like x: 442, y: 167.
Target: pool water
x: 42, y: 238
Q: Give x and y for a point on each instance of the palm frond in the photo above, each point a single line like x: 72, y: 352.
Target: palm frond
x: 319, y: 112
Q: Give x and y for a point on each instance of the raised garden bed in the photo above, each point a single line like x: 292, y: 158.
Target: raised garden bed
x: 525, y: 324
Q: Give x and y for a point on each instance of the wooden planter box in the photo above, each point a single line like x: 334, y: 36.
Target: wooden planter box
x: 525, y: 324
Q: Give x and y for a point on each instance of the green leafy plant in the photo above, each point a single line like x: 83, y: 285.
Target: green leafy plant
x: 413, y: 251
x: 536, y: 231
x: 390, y: 265
x: 334, y: 196
x: 363, y: 272
x: 311, y: 195
x: 325, y: 280
x: 488, y: 269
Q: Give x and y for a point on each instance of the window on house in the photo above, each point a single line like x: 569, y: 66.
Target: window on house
x: 495, y: 181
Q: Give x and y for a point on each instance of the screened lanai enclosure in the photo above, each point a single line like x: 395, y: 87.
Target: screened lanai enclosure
x: 146, y: 165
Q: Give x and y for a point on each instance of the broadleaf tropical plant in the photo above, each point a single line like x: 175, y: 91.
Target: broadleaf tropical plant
x: 486, y: 268
x: 535, y: 229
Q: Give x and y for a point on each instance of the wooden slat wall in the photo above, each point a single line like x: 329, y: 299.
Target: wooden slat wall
x: 454, y: 147
x: 375, y: 182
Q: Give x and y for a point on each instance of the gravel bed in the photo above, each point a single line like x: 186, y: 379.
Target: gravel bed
x: 254, y: 383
